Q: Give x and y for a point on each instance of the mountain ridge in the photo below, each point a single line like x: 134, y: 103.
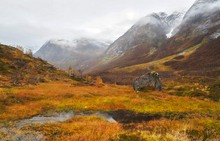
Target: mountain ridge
x: 140, y: 41
x: 147, y: 28
x: 177, y: 56
x: 79, y: 53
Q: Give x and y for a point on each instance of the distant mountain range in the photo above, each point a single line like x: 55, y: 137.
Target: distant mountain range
x: 178, y: 42
x: 142, y: 39
x: 79, y: 53
x: 86, y: 53
x: 151, y: 29
x: 192, y: 47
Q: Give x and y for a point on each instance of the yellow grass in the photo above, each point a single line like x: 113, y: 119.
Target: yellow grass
x: 27, y: 101
x: 23, y: 102
x: 158, y: 65
x: 79, y: 128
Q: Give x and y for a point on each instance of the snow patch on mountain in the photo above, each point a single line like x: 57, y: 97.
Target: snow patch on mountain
x: 176, y: 19
x: 152, y: 29
x: 199, y: 17
x: 170, y: 34
x: 168, y: 22
x: 215, y: 35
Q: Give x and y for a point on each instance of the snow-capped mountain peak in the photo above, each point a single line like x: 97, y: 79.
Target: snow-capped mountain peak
x: 168, y: 22
x: 151, y: 28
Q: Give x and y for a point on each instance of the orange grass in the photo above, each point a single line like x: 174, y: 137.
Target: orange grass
x: 24, y: 102
x: 89, y: 128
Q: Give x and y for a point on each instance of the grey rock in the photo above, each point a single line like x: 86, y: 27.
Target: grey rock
x: 148, y: 80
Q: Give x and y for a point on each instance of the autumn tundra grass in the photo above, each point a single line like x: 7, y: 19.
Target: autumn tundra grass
x: 148, y: 115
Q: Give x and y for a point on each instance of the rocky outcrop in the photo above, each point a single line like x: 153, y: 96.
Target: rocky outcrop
x: 150, y: 80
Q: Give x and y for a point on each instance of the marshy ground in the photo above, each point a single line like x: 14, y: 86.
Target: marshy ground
x: 73, y: 111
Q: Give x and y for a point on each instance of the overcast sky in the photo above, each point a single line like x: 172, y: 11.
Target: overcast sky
x: 31, y: 23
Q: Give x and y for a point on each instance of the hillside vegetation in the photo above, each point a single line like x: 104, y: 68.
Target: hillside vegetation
x: 192, y: 72
x: 140, y: 116
x: 17, y: 68
x: 97, y: 102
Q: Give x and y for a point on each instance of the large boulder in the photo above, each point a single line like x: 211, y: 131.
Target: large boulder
x: 150, y: 80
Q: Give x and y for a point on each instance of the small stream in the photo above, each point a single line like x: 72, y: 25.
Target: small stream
x: 61, y: 117
x: 15, y: 133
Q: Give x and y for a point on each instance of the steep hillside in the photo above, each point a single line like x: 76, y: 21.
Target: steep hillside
x: 151, y: 29
x: 79, y: 54
x: 199, y: 31
x: 188, y: 62
x: 140, y: 41
x: 201, y: 21
x: 194, y: 45
x: 17, y: 68
x: 206, y: 57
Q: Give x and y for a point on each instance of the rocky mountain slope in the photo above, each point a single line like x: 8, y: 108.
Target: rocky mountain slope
x: 79, y: 54
x: 151, y: 29
x: 193, y: 49
x: 140, y: 41
x: 200, y: 25
x: 202, y: 16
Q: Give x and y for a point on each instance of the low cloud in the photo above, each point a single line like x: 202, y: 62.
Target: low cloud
x: 31, y: 23
x: 203, y: 6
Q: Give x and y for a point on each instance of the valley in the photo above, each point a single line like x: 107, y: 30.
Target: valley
x: 93, y: 89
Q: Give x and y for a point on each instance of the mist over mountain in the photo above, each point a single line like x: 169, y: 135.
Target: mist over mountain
x: 79, y: 53
x: 151, y: 29
x: 153, y: 37
x: 86, y: 53
x: 199, y: 30
x: 202, y: 8
x: 201, y: 22
x: 159, y: 80
x: 143, y: 39
x: 200, y: 16
x: 183, y: 42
